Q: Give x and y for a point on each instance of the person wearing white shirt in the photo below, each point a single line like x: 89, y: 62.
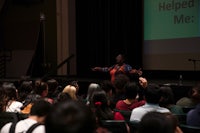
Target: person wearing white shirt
x: 152, y: 96
x: 38, y: 114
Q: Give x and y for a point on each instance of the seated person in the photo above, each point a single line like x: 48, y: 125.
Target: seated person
x: 193, y: 116
x: 187, y: 101
x: 167, y: 100
x: 12, y: 103
x: 131, y: 102
x: 101, y: 108
x: 70, y: 117
x: 152, y: 96
x: 157, y: 122
x: 38, y: 114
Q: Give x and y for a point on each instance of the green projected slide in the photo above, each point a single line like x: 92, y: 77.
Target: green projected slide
x: 168, y: 19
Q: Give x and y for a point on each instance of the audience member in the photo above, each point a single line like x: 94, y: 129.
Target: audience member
x: 167, y: 100
x: 91, y: 89
x: 41, y: 88
x: 131, y: 102
x: 53, y: 88
x: 63, y: 97
x: 12, y: 103
x: 71, y: 90
x: 70, y: 117
x: 24, y: 89
x: 152, y: 96
x: 193, y: 116
x: 3, y: 100
x: 119, y: 94
x: 188, y: 100
x: 157, y: 122
x: 79, y: 96
x: 37, y: 116
x: 108, y: 87
x: 99, y: 104
x: 143, y: 83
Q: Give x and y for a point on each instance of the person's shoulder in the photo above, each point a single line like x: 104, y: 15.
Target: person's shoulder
x: 138, y: 109
x: 120, y: 102
x: 6, y: 128
x: 163, y: 110
x: 16, y: 103
x: 121, y: 105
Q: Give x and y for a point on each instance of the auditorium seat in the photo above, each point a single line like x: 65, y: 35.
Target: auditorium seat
x: 133, y: 125
x: 189, y: 129
x: 126, y: 114
x: 181, y: 118
x: 186, y: 109
x: 115, y: 126
x: 6, y: 117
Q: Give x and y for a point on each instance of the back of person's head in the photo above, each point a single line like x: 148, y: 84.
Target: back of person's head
x: 40, y: 108
x: 40, y: 88
x: 99, y: 96
x: 120, y: 81
x: 99, y: 104
x: 71, y: 90
x: 75, y: 84
x: 173, y: 120
x: 131, y: 90
x: 155, y: 122
x: 107, y: 86
x: 167, y: 96
x: 52, y: 85
x: 63, y: 97
x: 152, y: 94
x: 91, y: 89
x: 25, y: 88
x: 195, y: 94
x: 70, y: 117
x: 10, y: 91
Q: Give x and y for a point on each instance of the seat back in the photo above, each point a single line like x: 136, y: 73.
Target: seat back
x: 189, y: 129
x: 22, y: 116
x: 115, y: 126
x: 181, y: 118
x: 126, y: 114
x: 6, y: 117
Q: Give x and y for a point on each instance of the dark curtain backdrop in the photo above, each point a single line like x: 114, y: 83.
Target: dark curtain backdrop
x: 105, y: 28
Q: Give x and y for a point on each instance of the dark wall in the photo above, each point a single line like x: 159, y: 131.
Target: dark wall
x: 104, y: 29
x: 20, y: 28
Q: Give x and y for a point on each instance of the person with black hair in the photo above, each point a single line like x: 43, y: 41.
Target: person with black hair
x: 152, y: 96
x: 12, y: 103
x: 130, y: 102
x: 37, y: 116
x: 157, y: 122
x: 167, y: 100
x: 70, y: 117
x: 53, y: 86
x: 119, y: 68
